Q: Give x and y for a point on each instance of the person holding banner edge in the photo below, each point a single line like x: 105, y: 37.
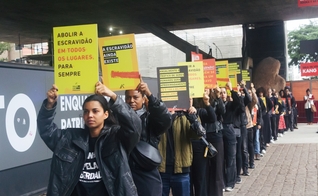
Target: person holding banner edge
x: 155, y: 120
x: 215, y: 175
x: 198, y: 174
x: 93, y: 160
x: 234, y: 107
x: 175, y: 147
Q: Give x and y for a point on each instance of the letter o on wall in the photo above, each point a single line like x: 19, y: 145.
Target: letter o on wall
x: 21, y: 144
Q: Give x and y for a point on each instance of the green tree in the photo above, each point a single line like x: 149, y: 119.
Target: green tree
x: 305, y: 32
x: 4, y: 47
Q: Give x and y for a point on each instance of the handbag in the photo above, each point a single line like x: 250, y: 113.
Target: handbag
x: 313, y: 108
x: 146, y: 156
x: 210, y: 151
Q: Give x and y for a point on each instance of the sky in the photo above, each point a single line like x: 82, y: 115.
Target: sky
x: 294, y: 24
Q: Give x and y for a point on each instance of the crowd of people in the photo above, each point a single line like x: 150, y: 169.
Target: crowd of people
x: 140, y: 147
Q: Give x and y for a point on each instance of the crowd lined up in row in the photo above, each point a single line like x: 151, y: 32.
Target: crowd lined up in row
x: 143, y: 148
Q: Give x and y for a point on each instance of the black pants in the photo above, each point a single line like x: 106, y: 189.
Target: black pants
x: 295, y: 117
x: 289, y: 121
x: 215, y: 178
x: 274, y: 126
x: 229, y: 140
x: 266, y: 129
x: 244, y: 150
x: 198, y: 169
x: 238, y: 157
x: 148, y: 183
x: 309, y: 115
x: 250, y: 145
x: 277, y: 124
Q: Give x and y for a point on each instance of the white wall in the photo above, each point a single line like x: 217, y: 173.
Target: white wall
x: 153, y: 52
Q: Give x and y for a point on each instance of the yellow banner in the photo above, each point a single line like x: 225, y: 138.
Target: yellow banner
x: 76, y: 58
x: 234, y: 67
x: 118, y: 58
x: 233, y: 79
x: 222, y: 73
x: 246, y: 75
x: 196, y: 78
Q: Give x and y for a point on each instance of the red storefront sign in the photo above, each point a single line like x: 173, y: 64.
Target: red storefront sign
x: 305, y: 3
x: 309, y: 69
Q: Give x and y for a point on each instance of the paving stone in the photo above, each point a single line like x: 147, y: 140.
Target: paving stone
x: 288, y: 168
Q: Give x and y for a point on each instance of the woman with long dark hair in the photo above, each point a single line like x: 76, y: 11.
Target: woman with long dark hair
x: 200, y: 164
x: 91, y: 160
x: 266, y: 106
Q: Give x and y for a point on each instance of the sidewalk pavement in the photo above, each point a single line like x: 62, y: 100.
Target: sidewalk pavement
x: 289, y: 167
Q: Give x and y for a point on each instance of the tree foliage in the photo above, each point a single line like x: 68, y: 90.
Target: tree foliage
x: 305, y: 32
x: 4, y: 47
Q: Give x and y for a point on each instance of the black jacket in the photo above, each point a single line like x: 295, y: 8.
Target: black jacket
x: 269, y: 106
x: 233, y: 110
x: 274, y: 101
x: 290, y: 103
x: 71, y: 146
x: 246, y: 99
x: 155, y: 121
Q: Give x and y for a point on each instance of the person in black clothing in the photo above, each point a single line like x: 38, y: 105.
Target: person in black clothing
x: 215, y: 174
x: 291, y: 103
x: 272, y: 114
x: 266, y: 107
x: 242, y: 151
x: 200, y: 163
x: 252, y: 117
x: 231, y: 121
x: 91, y: 160
x: 156, y: 120
x: 280, y: 111
x: 295, y: 117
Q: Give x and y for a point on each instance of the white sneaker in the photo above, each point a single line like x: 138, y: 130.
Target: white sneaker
x: 228, y: 189
x: 272, y: 141
x: 263, y: 151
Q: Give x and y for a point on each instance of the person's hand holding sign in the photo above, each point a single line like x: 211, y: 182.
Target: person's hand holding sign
x: 143, y: 88
x: 217, y: 91
x: 52, y: 96
x: 206, y: 97
x: 229, y: 85
x: 242, y: 84
x: 101, y: 89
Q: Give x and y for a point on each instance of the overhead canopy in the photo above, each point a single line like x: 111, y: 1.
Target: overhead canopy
x: 32, y: 21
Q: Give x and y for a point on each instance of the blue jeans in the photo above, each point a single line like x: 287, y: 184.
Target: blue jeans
x: 179, y: 184
x: 257, y: 149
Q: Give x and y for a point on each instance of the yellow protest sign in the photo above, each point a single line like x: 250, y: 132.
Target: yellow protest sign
x: 118, y: 58
x: 234, y: 67
x: 233, y: 79
x: 76, y: 58
x: 246, y: 75
x: 222, y: 73
x: 196, y: 78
